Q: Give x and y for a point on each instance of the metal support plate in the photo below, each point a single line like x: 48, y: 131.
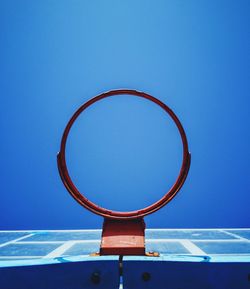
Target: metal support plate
x: 126, y: 237
x: 202, y: 273
x: 90, y: 272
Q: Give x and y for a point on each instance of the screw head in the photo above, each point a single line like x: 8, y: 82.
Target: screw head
x: 146, y: 276
x: 95, y: 278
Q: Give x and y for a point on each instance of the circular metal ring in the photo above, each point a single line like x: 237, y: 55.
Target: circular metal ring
x: 63, y: 170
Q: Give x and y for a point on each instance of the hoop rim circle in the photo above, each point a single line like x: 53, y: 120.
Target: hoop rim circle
x: 75, y: 193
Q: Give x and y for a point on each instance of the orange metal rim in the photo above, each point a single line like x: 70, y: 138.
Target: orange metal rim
x: 75, y: 193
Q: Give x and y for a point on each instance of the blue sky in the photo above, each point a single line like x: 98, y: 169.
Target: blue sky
x: 124, y: 153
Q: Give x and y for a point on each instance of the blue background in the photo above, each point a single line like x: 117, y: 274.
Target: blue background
x: 124, y: 153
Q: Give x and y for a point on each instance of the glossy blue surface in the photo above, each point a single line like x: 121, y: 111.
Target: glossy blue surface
x: 192, y: 274
x: 63, y: 275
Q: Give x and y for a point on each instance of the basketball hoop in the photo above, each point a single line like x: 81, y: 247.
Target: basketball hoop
x: 118, y: 215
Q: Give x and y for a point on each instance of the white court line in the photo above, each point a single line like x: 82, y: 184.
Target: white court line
x: 234, y: 235
x: 3, y: 258
x: 230, y: 254
x: 60, y: 250
x: 15, y: 240
x: 197, y: 229
x: 100, y: 230
x: 42, y: 242
x: 147, y: 240
x: 52, y: 231
x: 19, y: 257
x: 60, y: 242
x: 199, y: 240
x: 192, y: 248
